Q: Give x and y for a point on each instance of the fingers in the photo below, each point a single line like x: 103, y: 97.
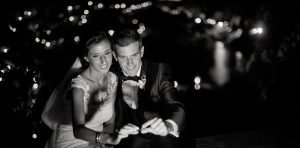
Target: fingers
x: 160, y: 130
x: 149, y: 122
x: 153, y: 123
x: 149, y: 130
x: 129, y: 129
x: 114, y: 141
x: 156, y: 123
x: 159, y: 126
x: 131, y: 126
x: 155, y: 126
x: 125, y: 131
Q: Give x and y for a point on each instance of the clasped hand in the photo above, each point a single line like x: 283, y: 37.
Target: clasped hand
x: 155, y: 126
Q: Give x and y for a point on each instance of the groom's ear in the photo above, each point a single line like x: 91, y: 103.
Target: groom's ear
x: 115, y: 56
x: 142, y: 51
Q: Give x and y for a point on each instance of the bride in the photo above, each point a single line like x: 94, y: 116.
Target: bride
x: 81, y: 110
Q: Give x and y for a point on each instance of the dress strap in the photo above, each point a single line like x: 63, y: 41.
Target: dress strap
x: 113, y: 83
x: 79, y: 82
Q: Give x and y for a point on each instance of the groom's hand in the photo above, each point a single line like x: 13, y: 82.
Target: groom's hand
x: 155, y: 126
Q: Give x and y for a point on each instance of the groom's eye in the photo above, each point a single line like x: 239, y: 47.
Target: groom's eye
x: 121, y: 57
x: 135, y: 55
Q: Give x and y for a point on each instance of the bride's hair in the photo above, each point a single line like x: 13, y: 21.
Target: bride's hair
x: 101, y: 36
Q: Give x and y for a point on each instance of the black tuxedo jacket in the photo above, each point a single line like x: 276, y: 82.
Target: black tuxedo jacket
x: 157, y: 99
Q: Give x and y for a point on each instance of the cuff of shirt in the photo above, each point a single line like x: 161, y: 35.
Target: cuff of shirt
x: 175, y: 128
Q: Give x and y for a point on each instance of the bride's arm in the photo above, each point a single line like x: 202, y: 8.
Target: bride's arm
x: 78, y: 117
x: 81, y: 131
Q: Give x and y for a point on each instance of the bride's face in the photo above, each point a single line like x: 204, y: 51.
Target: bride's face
x: 99, y: 56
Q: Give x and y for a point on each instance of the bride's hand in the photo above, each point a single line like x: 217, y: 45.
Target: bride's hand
x: 124, y: 132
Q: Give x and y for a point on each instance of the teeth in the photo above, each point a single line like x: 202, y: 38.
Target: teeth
x: 104, y: 66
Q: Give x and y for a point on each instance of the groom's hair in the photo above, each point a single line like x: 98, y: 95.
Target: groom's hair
x: 126, y: 36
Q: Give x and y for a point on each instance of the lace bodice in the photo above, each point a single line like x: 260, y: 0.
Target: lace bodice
x: 102, y: 111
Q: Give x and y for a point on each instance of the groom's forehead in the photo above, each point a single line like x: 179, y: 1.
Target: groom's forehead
x: 128, y: 50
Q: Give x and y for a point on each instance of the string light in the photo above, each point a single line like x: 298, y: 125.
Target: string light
x: 70, y: 8
x: 8, y: 67
x: 117, y: 6
x: 175, y: 12
x: 61, y: 40
x: 34, y: 135
x: 197, y: 20
x: 5, y: 50
x: 257, y: 30
x: 90, y: 3
x: 20, y: 18
x: 134, y: 21
x: 37, y: 39
x: 77, y: 39
x: 48, y: 32
x: 33, y: 100
x: 134, y: 7
x: 123, y: 5
x: 86, y: 12
x: 220, y: 24
x: 141, y: 29
x: 71, y: 18
x: 43, y: 41
x: 111, y: 32
x: 197, y: 81
x: 83, y: 17
x: 238, y: 55
x: 211, y: 21
x: 35, y: 86
x: 77, y: 7
x: 100, y: 5
x: 13, y: 29
x: 188, y: 13
x: 27, y: 13
x: 48, y: 44
x: 84, y: 21
x: 175, y: 84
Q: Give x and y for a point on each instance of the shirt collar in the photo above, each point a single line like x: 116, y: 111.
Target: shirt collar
x: 138, y: 73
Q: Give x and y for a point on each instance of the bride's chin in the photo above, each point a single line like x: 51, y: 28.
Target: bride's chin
x: 104, y: 70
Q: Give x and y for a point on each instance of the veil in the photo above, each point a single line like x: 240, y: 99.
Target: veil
x: 52, y: 112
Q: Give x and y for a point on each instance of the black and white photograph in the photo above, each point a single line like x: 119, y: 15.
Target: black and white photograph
x: 149, y: 74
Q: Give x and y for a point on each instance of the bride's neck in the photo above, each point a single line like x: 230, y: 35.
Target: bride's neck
x: 95, y: 76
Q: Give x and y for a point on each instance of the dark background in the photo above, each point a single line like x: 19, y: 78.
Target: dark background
x: 259, y: 104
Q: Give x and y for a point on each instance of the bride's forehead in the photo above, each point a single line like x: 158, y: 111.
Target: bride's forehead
x: 100, y: 48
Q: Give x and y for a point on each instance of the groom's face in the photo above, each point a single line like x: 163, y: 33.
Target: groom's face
x: 130, y: 57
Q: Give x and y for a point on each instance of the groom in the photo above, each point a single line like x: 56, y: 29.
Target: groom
x: 147, y: 98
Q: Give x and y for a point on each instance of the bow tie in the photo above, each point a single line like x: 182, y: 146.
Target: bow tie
x: 133, y: 78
